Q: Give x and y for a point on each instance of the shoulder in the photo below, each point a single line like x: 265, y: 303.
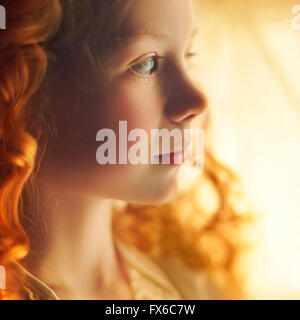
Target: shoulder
x: 191, y: 284
x: 165, y: 278
x: 32, y: 288
x: 147, y: 279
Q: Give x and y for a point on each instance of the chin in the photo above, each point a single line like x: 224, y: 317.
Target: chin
x: 159, y: 196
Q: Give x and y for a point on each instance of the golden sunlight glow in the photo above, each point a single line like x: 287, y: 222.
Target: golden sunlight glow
x: 249, y: 67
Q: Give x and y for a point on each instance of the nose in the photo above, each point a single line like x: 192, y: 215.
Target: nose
x: 186, y: 100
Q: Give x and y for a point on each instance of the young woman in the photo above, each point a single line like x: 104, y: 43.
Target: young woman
x: 68, y: 69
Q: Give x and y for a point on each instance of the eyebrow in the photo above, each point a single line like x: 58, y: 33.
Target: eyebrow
x: 194, y: 33
x: 131, y: 36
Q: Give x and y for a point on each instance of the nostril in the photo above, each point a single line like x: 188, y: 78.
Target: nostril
x: 190, y: 117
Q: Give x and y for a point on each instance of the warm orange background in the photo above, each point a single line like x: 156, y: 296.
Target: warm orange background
x: 250, y: 69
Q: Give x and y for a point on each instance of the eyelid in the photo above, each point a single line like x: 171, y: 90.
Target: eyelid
x: 192, y: 49
x: 144, y: 57
x: 191, y: 54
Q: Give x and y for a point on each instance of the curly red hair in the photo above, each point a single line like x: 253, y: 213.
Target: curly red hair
x: 23, y: 63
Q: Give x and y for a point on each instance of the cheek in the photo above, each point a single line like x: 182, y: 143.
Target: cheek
x: 137, y: 102
x: 141, y: 105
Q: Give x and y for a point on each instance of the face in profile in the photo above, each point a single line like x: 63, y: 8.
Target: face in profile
x: 148, y: 86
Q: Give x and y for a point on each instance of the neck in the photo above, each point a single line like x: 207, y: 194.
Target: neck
x: 78, y: 247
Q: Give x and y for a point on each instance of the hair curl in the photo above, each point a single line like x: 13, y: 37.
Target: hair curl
x: 23, y: 63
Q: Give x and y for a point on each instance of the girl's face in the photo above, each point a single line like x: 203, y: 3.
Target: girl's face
x: 148, y: 86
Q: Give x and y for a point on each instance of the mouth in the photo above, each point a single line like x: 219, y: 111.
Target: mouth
x: 176, y: 157
x: 173, y: 158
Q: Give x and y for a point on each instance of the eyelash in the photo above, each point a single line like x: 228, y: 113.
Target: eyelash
x: 155, y: 68
x: 156, y: 59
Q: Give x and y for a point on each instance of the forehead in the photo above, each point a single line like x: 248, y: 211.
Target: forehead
x: 158, y: 18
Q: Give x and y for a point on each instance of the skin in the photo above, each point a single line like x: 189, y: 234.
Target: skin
x: 78, y: 263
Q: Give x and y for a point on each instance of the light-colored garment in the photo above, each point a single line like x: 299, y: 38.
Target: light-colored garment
x: 150, y: 279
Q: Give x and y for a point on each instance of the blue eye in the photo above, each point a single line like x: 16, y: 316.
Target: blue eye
x: 147, y: 66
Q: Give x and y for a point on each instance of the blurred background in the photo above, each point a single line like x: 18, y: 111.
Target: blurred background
x: 249, y: 68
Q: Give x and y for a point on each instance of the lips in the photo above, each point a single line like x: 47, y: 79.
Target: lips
x: 172, y: 158
x: 177, y: 156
